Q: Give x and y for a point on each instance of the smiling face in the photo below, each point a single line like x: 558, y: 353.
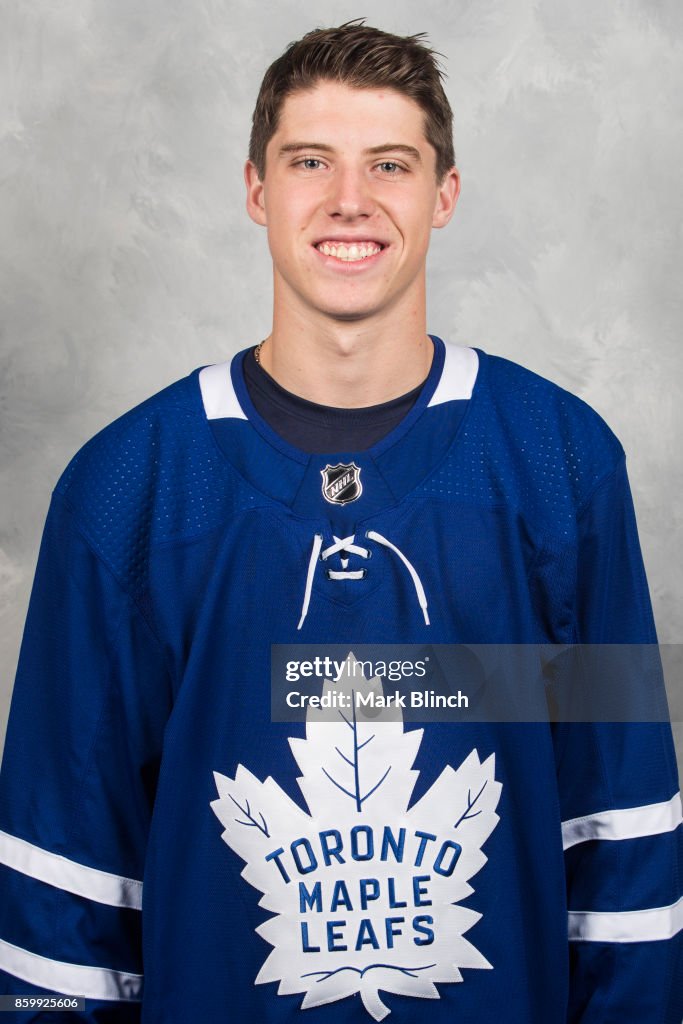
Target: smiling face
x: 349, y: 199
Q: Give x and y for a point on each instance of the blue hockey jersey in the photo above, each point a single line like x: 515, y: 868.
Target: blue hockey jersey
x: 173, y: 855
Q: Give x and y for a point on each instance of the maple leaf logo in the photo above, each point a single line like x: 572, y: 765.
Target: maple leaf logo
x: 364, y: 890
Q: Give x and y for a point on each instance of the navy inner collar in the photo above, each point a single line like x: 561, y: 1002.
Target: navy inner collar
x: 298, y: 454
x: 313, y: 412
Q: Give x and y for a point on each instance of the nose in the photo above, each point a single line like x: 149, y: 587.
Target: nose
x: 350, y: 195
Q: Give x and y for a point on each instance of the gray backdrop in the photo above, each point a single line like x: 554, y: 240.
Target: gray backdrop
x: 129, y: 260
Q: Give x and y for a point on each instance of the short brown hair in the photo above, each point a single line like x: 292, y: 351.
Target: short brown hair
x: 365, y: 58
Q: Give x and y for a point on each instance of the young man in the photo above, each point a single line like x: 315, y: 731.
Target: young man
x: 349, y: 480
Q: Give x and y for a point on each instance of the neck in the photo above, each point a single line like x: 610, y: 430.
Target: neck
x: 347, y: 364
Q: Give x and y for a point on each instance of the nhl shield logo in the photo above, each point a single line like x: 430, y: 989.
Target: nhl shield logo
x: 341, y: 483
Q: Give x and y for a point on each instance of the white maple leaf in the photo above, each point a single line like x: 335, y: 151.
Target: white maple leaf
x: 364, y: 891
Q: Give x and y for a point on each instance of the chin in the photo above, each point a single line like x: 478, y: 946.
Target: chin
x: 349, y: 311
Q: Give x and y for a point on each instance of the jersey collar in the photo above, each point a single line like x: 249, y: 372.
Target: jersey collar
x: 281, y: 470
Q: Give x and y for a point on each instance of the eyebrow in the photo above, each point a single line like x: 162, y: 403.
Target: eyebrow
x: 385, y: 147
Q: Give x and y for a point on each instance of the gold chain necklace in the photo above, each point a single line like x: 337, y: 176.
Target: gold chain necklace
x: 257, y: 351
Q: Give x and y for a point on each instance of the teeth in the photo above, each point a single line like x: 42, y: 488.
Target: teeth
x: 351, y: 253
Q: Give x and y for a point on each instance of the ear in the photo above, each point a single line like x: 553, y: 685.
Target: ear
x: 446, y: 198
x: 256, y: 207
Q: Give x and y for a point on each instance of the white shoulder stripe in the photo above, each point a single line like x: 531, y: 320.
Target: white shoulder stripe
x: 69, y: 979
x: 626, y: 925
x: 459, y: 373
x: 69, y: 875
x: 218, y: 394
x: 630, y: 823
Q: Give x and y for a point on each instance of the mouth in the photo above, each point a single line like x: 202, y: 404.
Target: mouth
x: 360, y: 251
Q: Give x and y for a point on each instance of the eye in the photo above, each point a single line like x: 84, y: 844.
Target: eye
x: 309, y: 163
x: 390, y: 167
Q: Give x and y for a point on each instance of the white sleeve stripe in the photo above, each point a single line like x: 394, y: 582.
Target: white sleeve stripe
x: 69, y: 875
x: 69, y: 979
x: 626, y: 925
x: 630, y: 823
x: 218, y: 394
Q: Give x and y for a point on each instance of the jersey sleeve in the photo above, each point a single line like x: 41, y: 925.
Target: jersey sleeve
x: 620, y: 800
x: 81, y: 759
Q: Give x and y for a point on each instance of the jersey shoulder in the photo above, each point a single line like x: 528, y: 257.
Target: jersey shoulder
x: 530, y: 446
x: 151, y: 475
x: 558, y: 430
